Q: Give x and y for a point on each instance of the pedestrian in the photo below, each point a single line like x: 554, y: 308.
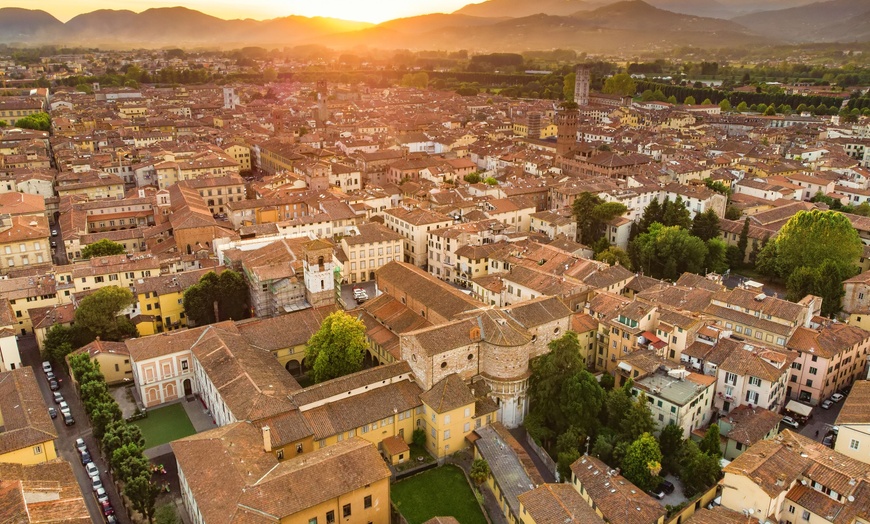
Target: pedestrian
x: 817, y: 433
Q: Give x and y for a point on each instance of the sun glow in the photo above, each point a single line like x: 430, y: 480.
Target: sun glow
x: 359, y: 10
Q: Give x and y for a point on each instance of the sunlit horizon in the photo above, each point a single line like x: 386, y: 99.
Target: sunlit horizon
x: 360, y: 11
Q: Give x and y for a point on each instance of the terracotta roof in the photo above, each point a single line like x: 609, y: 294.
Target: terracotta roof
x: 24, y: 414
x: 750, y: 424
x: 558, y: 504
x: 620, y: 501
x: 44, y: 493
x: 856, y: 407
x: 448, y: 394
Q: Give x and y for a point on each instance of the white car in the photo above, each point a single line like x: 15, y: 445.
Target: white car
x: 826, y: 404
x: 46, y: 366
x: 836, y: 397
x: 96, y: 483
x: 788, y: 421
x: 93, y: 470
x: 80, y: 445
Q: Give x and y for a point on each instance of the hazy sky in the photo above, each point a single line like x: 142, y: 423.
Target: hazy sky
x: 362, y: 10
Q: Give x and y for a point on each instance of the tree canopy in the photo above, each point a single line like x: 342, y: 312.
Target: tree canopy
x: 642, y: 462
x: 227, y: 293
x: 591, y: 213
x: 621, y: 84
x: 814, y: 252
x: 668, y: 252
x: 102, y: 248
x: 98, y: 313
x: 37, y: 121
x: 337, y: 348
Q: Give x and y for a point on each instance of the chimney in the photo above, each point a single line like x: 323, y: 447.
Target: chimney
x: 267, y: 439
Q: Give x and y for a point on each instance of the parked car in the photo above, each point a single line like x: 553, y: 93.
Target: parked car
x: 110, y: 519
x: 788, y: 421
x: 108, y: 510
x: 80, y: 445
x: 92, y: 470
x: 657, y: 493
x: 52, y: 412
x: 49, y: 375
x: 46, y: 366
x: 68, y: 419
x: 829, y: 440
x: 836, y: 397
x: 666, y: 486
x: 58, y: 397
x: 826, y: 404
x: 54, y: 232
x: 53, y: 385
x: 96, y: 483
x: 102, y: 496
x: 64, y: 407
x: 85, y: 457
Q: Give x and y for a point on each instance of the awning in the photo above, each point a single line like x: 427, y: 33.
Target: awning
x: 624, y: 366
x: 801, y: 409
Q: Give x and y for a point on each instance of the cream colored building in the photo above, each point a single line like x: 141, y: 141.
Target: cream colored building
x: 23, y: 242
x: 853, y: 438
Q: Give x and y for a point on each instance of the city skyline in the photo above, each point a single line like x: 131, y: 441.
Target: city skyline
x: 366, y: 11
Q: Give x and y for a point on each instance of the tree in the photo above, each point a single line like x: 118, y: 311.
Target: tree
x: 418, y: 438
x: 166, y: 514
x: 119, y: 433
x: 621, y: 84
x: 706, y: 225
x: 490, y: 181
x: 98, y: 313
x: 668, y: 252
x: 61, y: 340
x: 732, y: 213
x: 479, y: 471
x: 725, y: 105
x: 472, y: 178
x: 742, y: 107
x: 651, y: 213
x: 561, y: 391
x: 337, y: 348
x: 672, y: 100
x: 676, y: 213
x: 711, y: 443
x: 642, y: 462
x: 743, y: 241
x: 689, y: 101
x: 637, y: 420
x: 591, y: 212
x: 568, y: 86
x: 614, y: 255
x: 770, y: 111
x: 102, y: 248
x: 270, y: 75
x: 564, y: 459
x: 103, y: 414
x: 36, y: 121
x: 670, y: 444
x: 129, y: 463
x: 227, y: 293
x: 142, y: 494
x: 699, y: 470
x: 717, y: 256
x: 707, y: 102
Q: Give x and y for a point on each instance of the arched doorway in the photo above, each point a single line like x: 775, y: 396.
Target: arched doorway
x: 295, y: 368
x: 188, y: 387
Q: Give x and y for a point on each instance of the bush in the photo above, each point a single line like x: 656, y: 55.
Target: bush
x: 418, y: 438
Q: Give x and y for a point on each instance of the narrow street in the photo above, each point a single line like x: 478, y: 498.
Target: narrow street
x: 66, y: 436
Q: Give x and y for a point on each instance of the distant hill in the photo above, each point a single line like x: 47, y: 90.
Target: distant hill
x: 25, y: 25
x: 833, y: 21
x: 523, y: 8
x: 637, y: 15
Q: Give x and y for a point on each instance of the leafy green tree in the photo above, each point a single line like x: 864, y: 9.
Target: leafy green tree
x: 621, y: 84
x: 270, y: 75
x: 418, y: 438
x: 614, y: 255
x: 564, y: 459
x: 770, y: 111
x: 725, y: 105
x: 733, y: 213
x: 37, y: 121
x: 689, y: 101
x: 472, y: 178
x: 604, y: 446
x: 676, y: 213
x: 128, y: 462
x: 811, y: 237
x: 337, y: 348
x: 642, y: 462
x: 742, y: 107
x: 711, y: 443
x: 103, y: 414
x: 233, y: 297
x: 568, y: 86
x: 591, y: 212
x: 102, y: 248
x: 706, y: 225
x: 227, y: 293
x: 490, y: 181
x: 668, y: 252
x: 61, y: 340
x: 651, y: 213
x: 120, y: 433
x: 672, y: 100
x: 638, y: 420
x: 479, y: 471
x: 142, y: 494
x: 699, y: 470
x: 98, y: 313
x: 670, y: 444
x: 743, y: 241
x: 717, y: 256
x: 166, y: 514
x: 707, y: 102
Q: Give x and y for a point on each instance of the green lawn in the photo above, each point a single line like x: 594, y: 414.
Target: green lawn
x: 164, y: 425
x: 439, y: 492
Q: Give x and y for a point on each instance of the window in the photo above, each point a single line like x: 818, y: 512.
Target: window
x: 467, y: 427
x: 184, y: 365
x: 330, y: 517
x: 755, y: 381
x: 853, y: 444
x: 446, y: 434
x: 813, y: 370
x: 731, y: 378
x: 367, y: 502
x: 37, y: 450
x: 345, y: 510
x: 447, y: 419
x: 806, y: 515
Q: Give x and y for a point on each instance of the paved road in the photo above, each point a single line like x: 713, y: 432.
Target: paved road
x: 66, y: 436
x: 821, y: 421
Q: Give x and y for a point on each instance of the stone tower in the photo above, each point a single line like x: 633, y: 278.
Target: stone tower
x: 317, y: 268
x: 581, y: 85
x: 566, y: 139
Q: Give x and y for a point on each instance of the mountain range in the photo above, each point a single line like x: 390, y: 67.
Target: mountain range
x: 495, y: 25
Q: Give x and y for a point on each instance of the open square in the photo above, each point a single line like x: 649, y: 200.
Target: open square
x: 164, y: 425
x: 439, y: 492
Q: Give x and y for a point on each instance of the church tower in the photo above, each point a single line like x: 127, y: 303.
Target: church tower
x: 317, y: 268
x: 581, y: 85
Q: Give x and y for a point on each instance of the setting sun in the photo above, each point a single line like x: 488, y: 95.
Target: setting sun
x: 363, y: 11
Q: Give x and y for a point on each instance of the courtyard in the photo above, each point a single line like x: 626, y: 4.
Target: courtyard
x: 163, y: 425
x: 439, y: 492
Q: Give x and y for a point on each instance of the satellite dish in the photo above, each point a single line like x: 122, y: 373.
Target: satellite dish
x: 850, y: 498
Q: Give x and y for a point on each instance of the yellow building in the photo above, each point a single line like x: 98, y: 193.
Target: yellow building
x: 113, y: 358
x: 225, y: 475
x: 241, y: 153
x: 450, y: 415
x: 162, y: 298
x: 586, y: 328
x: 609, y: 494
x: 43, y: 318
x: 28, y: 432
x: 26, y: 293
x: 23, y: 242
x: 93, y: 184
